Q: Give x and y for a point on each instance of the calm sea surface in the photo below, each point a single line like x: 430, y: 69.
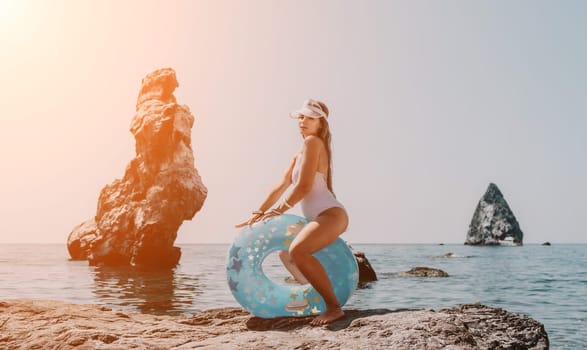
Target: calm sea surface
x: 548, y: 283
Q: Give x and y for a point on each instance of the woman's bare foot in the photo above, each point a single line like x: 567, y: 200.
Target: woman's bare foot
x: 329, y: 316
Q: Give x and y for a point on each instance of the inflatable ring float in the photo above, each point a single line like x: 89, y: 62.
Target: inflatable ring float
x: 263, y: 297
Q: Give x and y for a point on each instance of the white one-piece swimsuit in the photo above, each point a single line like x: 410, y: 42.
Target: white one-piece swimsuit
x: 319, y: 198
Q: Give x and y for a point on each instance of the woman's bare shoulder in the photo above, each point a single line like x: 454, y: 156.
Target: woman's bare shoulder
x: 313, y: 142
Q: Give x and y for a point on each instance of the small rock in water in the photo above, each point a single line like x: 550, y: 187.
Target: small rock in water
x: 424, y: 272
x: 447, y: 255
x: 366, y: 272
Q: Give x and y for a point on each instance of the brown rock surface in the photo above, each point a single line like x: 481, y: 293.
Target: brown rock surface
x: 26, y: 324
x: 138, y: 216
x: 80, y: 239
x: 366, y: 272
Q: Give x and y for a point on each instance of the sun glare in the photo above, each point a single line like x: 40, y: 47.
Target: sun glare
x: 18, y: 20
x: 10, y: 10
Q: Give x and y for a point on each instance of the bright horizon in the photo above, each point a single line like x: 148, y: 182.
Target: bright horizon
x: 430, y: 102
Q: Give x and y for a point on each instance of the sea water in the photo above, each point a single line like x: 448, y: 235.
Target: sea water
x: 547, y: 283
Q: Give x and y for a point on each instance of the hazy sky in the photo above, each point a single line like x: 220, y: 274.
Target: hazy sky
x: 430, y: 102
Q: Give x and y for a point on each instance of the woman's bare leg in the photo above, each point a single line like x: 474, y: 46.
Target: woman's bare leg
x: 291, y: 267
x: 314, y: 236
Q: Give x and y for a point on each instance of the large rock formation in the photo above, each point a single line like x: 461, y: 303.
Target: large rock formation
x: 138, y: 216
x: 493, y: 222
x: 55, y: 325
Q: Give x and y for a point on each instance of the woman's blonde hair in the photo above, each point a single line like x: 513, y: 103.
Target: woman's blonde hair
x: 325, y: 135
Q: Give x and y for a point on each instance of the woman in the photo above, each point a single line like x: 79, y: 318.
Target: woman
x: 310, y: 173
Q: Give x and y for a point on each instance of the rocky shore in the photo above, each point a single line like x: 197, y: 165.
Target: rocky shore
x: 38, y: 324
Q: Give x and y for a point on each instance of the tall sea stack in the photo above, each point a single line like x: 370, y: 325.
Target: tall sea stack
x: 494, y: 222
x: 138, y: 216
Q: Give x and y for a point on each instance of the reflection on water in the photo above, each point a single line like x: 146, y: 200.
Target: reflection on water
x: 150, y: 291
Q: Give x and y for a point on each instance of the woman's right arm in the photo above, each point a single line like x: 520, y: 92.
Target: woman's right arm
x: 272, y: 197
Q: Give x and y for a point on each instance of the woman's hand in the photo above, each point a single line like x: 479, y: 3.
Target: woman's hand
x: 270, y: 214
x: 254, y: 218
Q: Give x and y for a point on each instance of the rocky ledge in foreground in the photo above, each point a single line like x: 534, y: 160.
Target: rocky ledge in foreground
x: 26, y: 324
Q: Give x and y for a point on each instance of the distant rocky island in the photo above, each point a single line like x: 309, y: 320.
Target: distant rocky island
x: 138, y: 216
x: 493, y: 222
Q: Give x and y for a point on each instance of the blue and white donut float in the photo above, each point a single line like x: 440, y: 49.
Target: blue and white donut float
x: 264, y: 298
